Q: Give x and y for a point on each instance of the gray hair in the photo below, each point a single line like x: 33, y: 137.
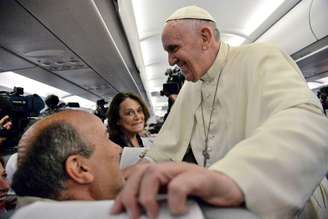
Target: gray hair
x: 42, y: 172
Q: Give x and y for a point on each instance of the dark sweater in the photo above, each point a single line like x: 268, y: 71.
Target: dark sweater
x: 124, y: 142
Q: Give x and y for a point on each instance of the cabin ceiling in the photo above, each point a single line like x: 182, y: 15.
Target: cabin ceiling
x: 239, y: 22
x: 96, y: 48
x: 76, y: 46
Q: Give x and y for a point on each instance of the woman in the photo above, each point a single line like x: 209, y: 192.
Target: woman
x: 127, y: 117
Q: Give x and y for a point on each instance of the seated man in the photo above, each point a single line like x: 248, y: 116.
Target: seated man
x: 67, y: 156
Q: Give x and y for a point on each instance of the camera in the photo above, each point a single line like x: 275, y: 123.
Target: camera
x: 172, y: 86
x: 20, y: 109
x: 101, y: 109
x: 174, y: 82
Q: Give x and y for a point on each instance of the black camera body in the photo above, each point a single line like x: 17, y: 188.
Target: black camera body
x: 174, y: 82
x: 172, y: 86
x: 101, y: 109
x: 20, y: 109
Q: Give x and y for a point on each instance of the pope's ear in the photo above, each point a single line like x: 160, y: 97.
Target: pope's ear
x: 207, y: 36
x: 78, y: 169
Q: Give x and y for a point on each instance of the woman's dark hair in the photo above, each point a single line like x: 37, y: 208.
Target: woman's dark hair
x: 113, y: 112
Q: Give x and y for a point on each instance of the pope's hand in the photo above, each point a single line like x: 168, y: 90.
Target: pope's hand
x: 180, y: 180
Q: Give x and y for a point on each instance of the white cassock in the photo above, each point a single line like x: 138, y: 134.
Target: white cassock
x: 267, y: 132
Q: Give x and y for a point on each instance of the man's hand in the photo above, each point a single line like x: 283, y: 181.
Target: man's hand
x: 180, y: 180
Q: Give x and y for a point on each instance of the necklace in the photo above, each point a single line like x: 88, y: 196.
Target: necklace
x: 205, y: 153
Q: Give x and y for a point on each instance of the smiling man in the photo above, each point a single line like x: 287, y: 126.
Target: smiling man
x: 184, y: 47
x: 246, y: 119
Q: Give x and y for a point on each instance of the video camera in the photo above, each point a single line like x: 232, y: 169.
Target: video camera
x: 173, y: 85
x: 20, y: 109
x: 101, y: 109
x: 174, y: 82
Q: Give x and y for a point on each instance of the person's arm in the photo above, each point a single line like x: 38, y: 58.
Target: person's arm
x: 172, y: 141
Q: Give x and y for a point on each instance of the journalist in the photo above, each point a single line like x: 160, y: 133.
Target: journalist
x: 127, y: 116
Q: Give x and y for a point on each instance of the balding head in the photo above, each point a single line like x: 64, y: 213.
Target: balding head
x: 77, y: 120
x: 58, y: 158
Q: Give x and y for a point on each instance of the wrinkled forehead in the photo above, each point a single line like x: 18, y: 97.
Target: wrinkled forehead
x: 180, y: 28
x: 172, y: 31
x: 173, y: 26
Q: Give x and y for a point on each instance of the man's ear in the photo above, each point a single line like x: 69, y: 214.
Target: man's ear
x: 78, y: 169
x: 207, y: 36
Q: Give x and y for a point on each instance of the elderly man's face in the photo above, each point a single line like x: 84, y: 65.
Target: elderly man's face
x: 184, y: 48
x: 104, y: 161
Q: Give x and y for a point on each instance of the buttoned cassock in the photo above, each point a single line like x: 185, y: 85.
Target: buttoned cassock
x: 268, y: 132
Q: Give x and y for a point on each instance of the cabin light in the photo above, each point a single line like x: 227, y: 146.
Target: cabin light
x: 313, y: 85
x: 323, y: 81
x: 261, y: 13
x: 10, y: 80
x: 318, y: 83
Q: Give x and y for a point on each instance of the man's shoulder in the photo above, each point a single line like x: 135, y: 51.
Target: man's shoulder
x: 257, y: 47
x: 255, y: 51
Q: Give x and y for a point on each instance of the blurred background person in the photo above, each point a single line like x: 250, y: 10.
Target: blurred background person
x: 5, y: 126
x: 127, y: 117
x: 4, y: 186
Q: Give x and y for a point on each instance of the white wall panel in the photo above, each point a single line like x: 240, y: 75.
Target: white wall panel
x: 292, y: 32
x: 319, y: 18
